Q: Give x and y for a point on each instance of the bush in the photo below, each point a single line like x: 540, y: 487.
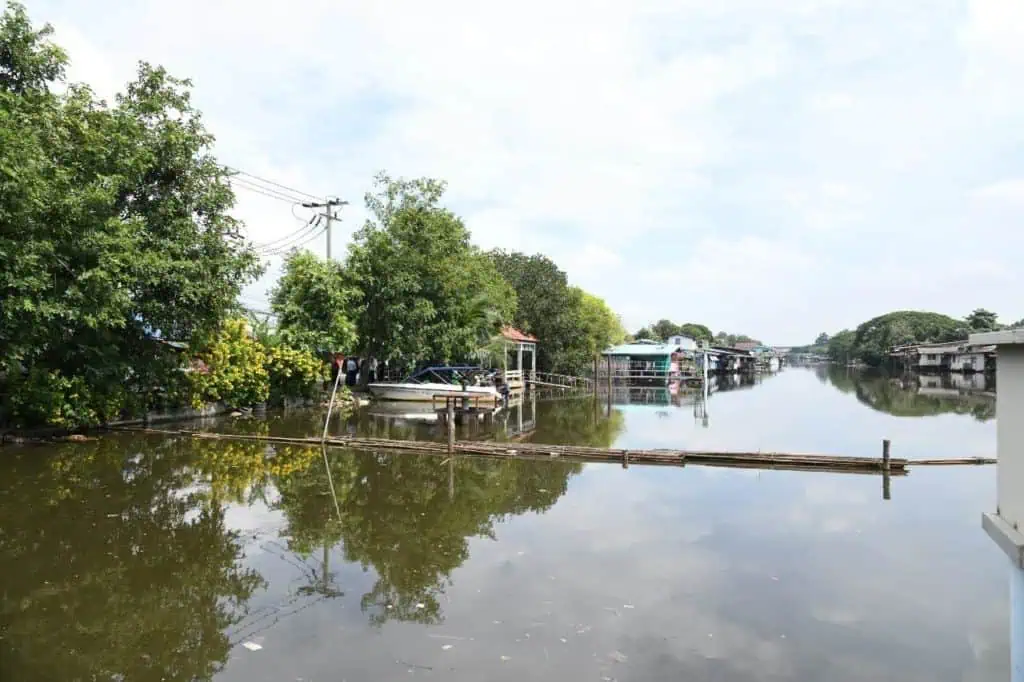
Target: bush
x: 293, y: 373
x: 47, y: 397
x: 236, y: 369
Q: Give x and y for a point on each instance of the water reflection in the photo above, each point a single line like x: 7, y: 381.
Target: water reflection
x: 916, y: 395
x: 155, y: 559
x: 409, y: 518
x: 115, y: 566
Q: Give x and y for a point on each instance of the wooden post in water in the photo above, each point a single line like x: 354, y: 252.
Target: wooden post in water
x: 886, y: 469
x: 449, y: 404
x: 330, y: 407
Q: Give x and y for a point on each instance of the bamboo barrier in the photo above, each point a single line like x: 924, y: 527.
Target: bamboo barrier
x: 663, y: 457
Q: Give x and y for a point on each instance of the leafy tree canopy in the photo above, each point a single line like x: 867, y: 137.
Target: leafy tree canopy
x: 600, y: 327
x: 982, y: 320
x: 313, y: 303
x: 423, y: 291
x: 114, y: 225
x: 875, y: 338
x: 546, y: 307
x: 663, y: 329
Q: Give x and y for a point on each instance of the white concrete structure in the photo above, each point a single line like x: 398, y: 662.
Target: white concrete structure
x: 1005, y: 526
x: 682, y: 342
x: 932, y: 354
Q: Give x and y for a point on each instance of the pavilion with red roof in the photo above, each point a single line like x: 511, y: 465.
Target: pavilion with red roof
x: 520, y: 342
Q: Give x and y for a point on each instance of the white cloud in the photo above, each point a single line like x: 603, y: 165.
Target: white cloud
x: 702, y: 150
x: 1008, y: 191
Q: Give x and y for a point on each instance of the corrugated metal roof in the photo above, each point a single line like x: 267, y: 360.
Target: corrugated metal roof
x: 640, y: 349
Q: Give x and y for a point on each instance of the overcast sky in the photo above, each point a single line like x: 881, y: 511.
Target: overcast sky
x: 773, y: 167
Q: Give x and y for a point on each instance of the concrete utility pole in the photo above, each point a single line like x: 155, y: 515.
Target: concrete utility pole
x: 328, y: 215
x: 1006, y: 525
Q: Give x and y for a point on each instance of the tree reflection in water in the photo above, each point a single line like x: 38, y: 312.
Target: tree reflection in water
x: 915, y: 395
x: 115, y: 564
x: 409, y: 517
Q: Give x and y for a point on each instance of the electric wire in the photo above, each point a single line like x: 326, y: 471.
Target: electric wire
x: 275, y: 184
x: 285, y: 248
x: 241, y: 183
x: 274, y: 243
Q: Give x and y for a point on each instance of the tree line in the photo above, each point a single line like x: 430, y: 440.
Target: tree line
x: 663, y: 329
x: 872, y: 341
x: 117, y: 236
x: 414, y: 289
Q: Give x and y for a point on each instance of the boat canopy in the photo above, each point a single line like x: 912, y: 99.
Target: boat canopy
x: 445, y: 374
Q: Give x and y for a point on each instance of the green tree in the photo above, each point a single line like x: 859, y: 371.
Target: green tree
x: 313, y: 302
x: 875, y: 338
x: 643, y: 334
x: 821, y: 340
x: 600, y: 326
x: 697, y: 332
x: 982, y: 320
x: 424, y: 292
x: 662, y: 329
x: 114, y: 225
x: 546, y: 308
x: 840, y: 346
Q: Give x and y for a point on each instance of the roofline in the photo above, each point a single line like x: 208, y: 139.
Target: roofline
x: 1007, y: 337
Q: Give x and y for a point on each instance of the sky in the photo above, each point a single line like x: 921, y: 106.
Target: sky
x: 771, y: 167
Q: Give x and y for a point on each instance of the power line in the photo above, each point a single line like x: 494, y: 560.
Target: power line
x: 307, y: 227
x: 285, y: 248
x: 241, y: 183
x: 276, y: 184
x: 288, y: 243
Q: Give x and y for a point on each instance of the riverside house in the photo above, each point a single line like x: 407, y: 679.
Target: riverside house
x: 952, y: 356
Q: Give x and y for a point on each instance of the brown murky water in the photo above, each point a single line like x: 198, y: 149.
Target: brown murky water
x: 143, y: 558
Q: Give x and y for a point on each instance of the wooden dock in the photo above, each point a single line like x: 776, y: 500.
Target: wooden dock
x: 662, y: 457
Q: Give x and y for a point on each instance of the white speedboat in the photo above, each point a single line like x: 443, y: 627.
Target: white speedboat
x: 433, y: 382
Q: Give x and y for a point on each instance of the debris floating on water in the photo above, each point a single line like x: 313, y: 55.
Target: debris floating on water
x: 618, y: 656
x: 628, y: 606
x: 252, y: 646
x: 446, y: 647
x: 506, y: 658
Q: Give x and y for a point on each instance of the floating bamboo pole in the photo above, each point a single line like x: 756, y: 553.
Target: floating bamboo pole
x: 755, y: 460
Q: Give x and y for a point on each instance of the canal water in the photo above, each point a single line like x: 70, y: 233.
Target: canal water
x: 141, y: 558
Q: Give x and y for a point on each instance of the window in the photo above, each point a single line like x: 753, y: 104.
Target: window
x: 930, y: 356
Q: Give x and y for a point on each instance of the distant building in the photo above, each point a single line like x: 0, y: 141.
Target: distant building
x: 682, y: 342
x: 951, y: 356
x: 642, y: 360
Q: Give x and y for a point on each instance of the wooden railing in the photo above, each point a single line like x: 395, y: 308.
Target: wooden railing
x: 560, y: 380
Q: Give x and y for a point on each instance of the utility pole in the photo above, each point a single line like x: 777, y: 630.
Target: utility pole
x: 328, y: 214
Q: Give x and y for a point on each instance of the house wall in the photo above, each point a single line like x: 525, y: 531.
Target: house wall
x: 968, y: 362
x: 684, y: 342
x: 930, y: 358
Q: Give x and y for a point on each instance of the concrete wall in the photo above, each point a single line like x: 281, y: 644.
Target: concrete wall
x: 1016, y: 624
x: 1010, y: 434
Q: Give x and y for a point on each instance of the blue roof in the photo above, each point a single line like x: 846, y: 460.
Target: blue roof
x: 639, y: 349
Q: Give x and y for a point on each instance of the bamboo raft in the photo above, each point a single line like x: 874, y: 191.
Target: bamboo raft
x: 661, y: 457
